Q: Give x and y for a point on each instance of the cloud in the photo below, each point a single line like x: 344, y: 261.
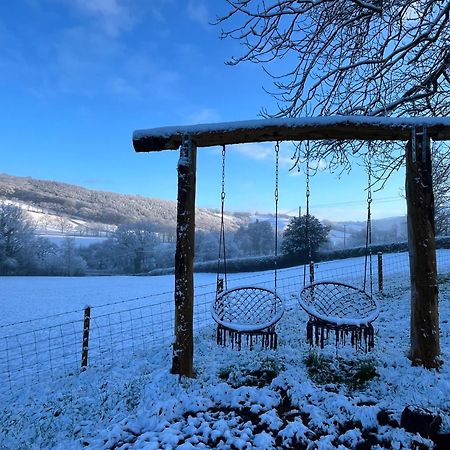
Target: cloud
x: 295, y: 172
x: 266, y: 151
x: 117, y: 16
x: 81, y: 61
x: 93, y: 48
x: 149, y: 77
x: 315, y: 165
x: 257, y: 152
x: 156, y: 8
x: 112, y: 15
x: 203, y: 115
x: 198, y: 12
x: 123, y: 87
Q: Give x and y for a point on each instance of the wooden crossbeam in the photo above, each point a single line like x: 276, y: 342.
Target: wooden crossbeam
x: 312, y: 128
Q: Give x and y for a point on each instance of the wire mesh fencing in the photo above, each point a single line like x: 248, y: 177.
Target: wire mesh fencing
x: 39, y: 351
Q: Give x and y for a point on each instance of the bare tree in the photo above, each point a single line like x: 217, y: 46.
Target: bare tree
x: 63, y: 222
x: 371, y: 57
x: 16, y: 234
x: 71, y: 262
x: 367, y: 57
x: 136, y: 241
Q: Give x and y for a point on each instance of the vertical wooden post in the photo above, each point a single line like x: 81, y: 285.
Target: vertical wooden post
x: 85, y: 347
x: 311, y: 272
x: 425, y: 348
x: 380, y: 272
x: 183, y: 347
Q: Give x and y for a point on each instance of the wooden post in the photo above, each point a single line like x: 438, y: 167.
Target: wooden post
x: 85, y: 347
x: 424, y: 332
x: 380, y: 272
x: 311, y: 272
x: 183, y: 347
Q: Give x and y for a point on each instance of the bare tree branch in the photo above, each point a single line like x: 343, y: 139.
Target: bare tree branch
x: 374, y: 57
x: 369, y: 57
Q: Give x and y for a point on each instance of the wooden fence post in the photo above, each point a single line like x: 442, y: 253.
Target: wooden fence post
x: 85, y: 347
x: 311, y: 272
x: 380, y: 272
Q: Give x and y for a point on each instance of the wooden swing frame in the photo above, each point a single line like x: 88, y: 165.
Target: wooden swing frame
x: 416, y: 132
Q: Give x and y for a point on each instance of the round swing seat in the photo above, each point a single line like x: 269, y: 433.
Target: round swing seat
x: 339, y: 307
x: 338, y: 303
x: 247, y: 309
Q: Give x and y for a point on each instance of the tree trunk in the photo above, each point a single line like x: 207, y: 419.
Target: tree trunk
x: 183, y: 347
x: 424, y: 332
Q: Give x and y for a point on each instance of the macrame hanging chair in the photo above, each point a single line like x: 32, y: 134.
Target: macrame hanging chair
x: 341, y: 308
x: 337, y: 307
x: 246, y: 314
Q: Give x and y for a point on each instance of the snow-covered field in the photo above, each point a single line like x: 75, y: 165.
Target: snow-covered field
x: 30, y: 298
x: 127, y: 399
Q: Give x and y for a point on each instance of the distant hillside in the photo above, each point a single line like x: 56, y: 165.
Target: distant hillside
x: 98, y: 207
x: 353, y: 234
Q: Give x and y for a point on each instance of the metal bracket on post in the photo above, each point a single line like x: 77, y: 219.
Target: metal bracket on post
x: 185, y: 151
x: 424, y: 144
x: 419, y: 141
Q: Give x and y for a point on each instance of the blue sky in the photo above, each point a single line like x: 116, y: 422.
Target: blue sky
x: 78, y: 76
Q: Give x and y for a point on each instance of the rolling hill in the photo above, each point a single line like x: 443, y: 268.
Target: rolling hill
x: 55, y: 206
x: 60, y: 209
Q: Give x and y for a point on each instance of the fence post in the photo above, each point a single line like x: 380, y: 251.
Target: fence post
x: 85, y: 348
x: 380, y: 272
x: 311, y: 272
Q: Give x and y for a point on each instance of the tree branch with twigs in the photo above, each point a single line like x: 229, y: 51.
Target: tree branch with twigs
x: 348, y: 57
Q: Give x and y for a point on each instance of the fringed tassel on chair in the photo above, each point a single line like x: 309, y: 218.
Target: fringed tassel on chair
x: 219, y: 335
x: 309, y: 332
x: 269, y: 338
x: 369, y: 337
x: 317, y: 332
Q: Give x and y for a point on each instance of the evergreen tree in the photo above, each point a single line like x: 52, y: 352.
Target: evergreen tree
x: 302, y: 232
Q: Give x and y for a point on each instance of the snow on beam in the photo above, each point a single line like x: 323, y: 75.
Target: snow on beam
x: 313, y: 128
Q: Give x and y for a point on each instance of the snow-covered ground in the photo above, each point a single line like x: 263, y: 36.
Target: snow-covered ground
x: 264, y: 399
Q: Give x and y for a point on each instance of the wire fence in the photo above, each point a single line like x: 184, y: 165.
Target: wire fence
x: 42, y: 350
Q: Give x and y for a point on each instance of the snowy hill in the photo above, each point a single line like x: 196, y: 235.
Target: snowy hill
x: 60, y: 208
x: 353, y: 234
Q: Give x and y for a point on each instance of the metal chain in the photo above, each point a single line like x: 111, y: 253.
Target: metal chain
x: 276, y: 195
x: 368, y: 252
x: 222, y: 283
x: 308, y: 191
x: 308, y: 194
x: 222, y: 194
